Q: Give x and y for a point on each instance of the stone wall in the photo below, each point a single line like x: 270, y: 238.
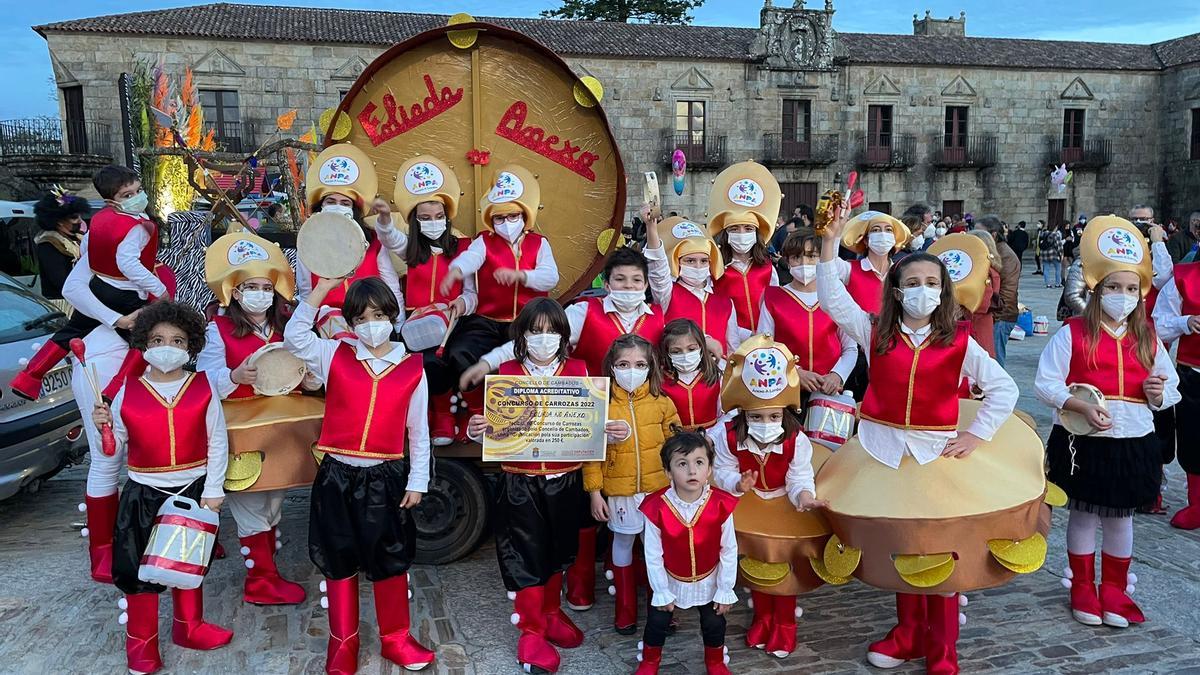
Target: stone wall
x: 1180, y: 94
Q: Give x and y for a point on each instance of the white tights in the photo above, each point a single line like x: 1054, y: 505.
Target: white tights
x: 622, y: 549
x: 1081, y: 534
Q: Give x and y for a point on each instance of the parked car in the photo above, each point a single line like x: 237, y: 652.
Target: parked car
x: 37, y: 438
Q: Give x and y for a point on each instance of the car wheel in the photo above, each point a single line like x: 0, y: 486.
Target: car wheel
x: 452, y: 517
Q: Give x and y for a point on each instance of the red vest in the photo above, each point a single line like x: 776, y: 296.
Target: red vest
x: 1187, y: 280
x: 691, y: 549
x: 809, y: 333
x: 167, y: 436
x: 237, y: 349
x: 697, y: 402
x: 1114, y: 368
x: 366, y: 415
x: 568, y: 368
x: 865, y: 287
x: 600, y: 330
x: 1151, y: 298
x: 745, y: 290
x: 772, y: 471
x: 106, y: 232
x: 368, y: 268
x: 422, y: 283
x: 503, y: 303
x: 927, y: 375
x: 712, y: 315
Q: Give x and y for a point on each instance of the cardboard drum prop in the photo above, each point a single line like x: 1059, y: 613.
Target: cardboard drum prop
x: 479, y: 97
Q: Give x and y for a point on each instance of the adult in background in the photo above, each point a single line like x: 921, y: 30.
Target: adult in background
x: 983, y: 319
x: 1185, y: 243
x: 918, y: 218
x: 1039, y: 235
x: 1010, y: 280
x: 1069, y: 241
x: 1018, y: 239
x: 60, y: 216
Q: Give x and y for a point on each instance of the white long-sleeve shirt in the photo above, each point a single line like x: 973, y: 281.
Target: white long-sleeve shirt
x: 1129, y: 419
x: 103, y: 473
x: 76, y: 288
x: 1161, y: 264
x: 397, y: 242
x: 543, y: 276
x: 1169, y: 320
x: 317, y: 354
x: 577, y: 314
x: 716, y: 587
x: 799, y: 477
x: 662, y: 287
x: 212, y: 361
x: 888, y: 444
x: 849, y: 356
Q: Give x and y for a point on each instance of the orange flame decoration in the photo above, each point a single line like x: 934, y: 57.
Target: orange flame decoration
x: 285, y: 121
x: 195, y: 118
x: 297, y: 181
x: 209, y: 144
x: 160, y: 100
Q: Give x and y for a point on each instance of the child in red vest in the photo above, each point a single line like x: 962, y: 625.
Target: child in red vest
x: 793, y: 316
x: 1109, y: 473
x: 691, y: 376
x: 375, y: 440
x: 691, y: 552
x: 170, y: 435
x: 537, y: 509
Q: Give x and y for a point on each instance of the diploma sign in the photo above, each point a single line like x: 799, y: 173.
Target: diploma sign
x: 544, y: 419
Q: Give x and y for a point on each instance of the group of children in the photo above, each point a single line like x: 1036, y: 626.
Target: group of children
x: 711, y: 361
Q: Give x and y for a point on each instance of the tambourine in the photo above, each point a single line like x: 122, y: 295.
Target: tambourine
x: 1074, y: 422
x: 426, y: 327
x: 330, y: 245
x: 279, y: 371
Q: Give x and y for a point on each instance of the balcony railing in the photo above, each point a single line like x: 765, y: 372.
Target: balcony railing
x: 1095, y: 153
x: 50, y: 136
x: 813, y: 150
x: 978, y: 152
x: 897, y: 151
x: 235, y: 137
x: 703, y: 151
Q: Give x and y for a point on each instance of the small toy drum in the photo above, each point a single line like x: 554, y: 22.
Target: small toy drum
x: 331, y: 246
x: 426, y: 327
x: 180, y: 546
x: 1074, y: 422
x: 279, y: 371
x: 830, y: 419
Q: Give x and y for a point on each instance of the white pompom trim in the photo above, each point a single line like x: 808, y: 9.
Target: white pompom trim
x: 526, y: 667
x: 725, y: 650
x: 278, y: 545
x: 608, y: 575
x: 123, y: 618
x: 962, y: 619
x: 799, y: 612
x: 612, y: 590
x: 750, y: 603
x: 639, y: 657
x: 725, y: 659
x: 245, y: 550
x: 123, y: 603
x: 512, y: 595
x: 322, y: 586
x: 278, y: 533
x: 82, y: 507
x: 324, y: 602
x: 84, y: 533
x: 1129, y: 589
x: 410, y: 594
x: 1066, y: 583
x: 35, y: 346
x: 514, y: 618
x: 1068, y: 573
x: 1131, y: 578
x: 454, y: 398
x: 249, y: 563
x: 22, y: 362
x: 962, y: 600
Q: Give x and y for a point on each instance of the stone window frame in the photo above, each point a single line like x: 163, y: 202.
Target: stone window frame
x: 693, y: 97
x: 1194, y: 134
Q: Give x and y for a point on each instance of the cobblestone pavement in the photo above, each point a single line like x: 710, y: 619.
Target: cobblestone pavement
x: 53, y: 619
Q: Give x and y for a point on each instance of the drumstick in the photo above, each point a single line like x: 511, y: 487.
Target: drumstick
x: 108, y: 442
x: 441, y: 350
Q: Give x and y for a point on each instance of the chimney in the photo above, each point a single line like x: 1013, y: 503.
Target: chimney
x: 940, y: 27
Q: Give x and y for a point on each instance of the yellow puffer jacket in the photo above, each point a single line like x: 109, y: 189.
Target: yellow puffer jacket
x: 634, y: 465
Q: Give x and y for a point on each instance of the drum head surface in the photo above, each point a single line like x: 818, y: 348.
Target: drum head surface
x: 331, y: 246
x: 279, y: 371
x: 1074, y: 422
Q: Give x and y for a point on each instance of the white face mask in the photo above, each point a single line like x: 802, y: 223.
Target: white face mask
x: 166, y: 359
x: 433, y: 228
x: 687, y: 362
x: 941, y: 231
x: 374, y: 333
x: 510, y: 231
x: 765, y: 432
x: 340, y: 209
x: 920, y: 301
x: 803, y: 273
x: 917, y: 242
x: 542, y: 346
x: 694, y: 276
x: 630, y: 379
x: 136, y: 204
x: 742, y: 242
x: 627, y: 301
x: 1118, y: 306
x: 881, y: 243
x: 257, y: 302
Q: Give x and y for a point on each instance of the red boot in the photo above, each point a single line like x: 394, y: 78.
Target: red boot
x: 534, y: 652
x: 941, y: 640
x: 28, y: 383
x: 782, y: 639
x: 441, y: 420
x: 625, y: 589
x: 1119, y: 610
x: 132, y: 367
x: 581, y: 575
x: 189, y: 629
x: 341, y: 599
x: 395, y: 627
x: 715, y: 661
x: 560, y: 630
x: 906, y: 640
x: 141, y: 633
x: 1188, y: 518
x: 263, y: 585
x: 649, y: 659
x: 1085, y: 604
x: 101, y: 523
x: 760, y: 629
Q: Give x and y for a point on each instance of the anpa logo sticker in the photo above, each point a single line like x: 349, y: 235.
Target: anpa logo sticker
x: 1118, y: 245
x: 746, y: 192
x: 423, y: 178
x: 245, y: 251
x: 765, y: 372
x: 958, y: 264
x: 686, y: 228
x: 338, y: 171
x: 507, y: 188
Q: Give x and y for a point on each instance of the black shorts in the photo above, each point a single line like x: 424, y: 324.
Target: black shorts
x: 536, y: 521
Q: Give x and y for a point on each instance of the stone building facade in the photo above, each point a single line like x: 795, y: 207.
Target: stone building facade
x: 962, y: 123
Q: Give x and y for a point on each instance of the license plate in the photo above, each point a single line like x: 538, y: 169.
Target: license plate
x: 56, y: 381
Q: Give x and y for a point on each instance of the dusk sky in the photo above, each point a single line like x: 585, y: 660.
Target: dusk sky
x: 26, y: 75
